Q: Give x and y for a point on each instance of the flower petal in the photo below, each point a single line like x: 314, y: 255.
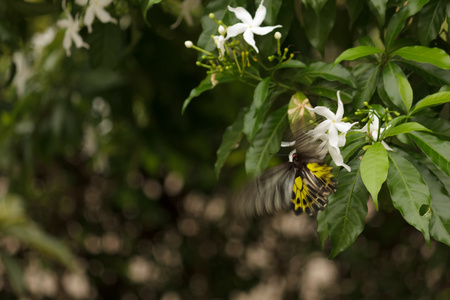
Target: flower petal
x: 260, y: 15
x: 320, y: 129
x: 337, y: 157
x: 248, y: 37
x: 386, y: 146
x: 242, y: 14
x: 89, y: 17
x: 333, y: 136
x: 236, y: 29
x: 344, y: 127
x: 340, y: 109
x: 263, y: 30
x: 104, y: 16
x: 323, y: 111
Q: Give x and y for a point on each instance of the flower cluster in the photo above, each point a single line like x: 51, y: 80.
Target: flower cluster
x: 235, y: 55
x: 95, y: 9
x: 332, y: 131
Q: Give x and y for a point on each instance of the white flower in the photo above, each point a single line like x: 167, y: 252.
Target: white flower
x: 219, y: 40
x: 81, y: 2
x: 375, y: 130
x: 72, y: 27
x: 328, y: 131
x: 23, y: 72
x: 42, y: 39
x: 333, y: 123
x: 334, y: 151
x: 249, y: 26
x: 96, y: 8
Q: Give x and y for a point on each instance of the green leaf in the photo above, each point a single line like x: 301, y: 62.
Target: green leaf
x: 14, y: 272
x: 266, y: 142
x: 357, y: 52
x: 374, y: 169
x: 439, y: 126
x: 294, y: 64
x: 255, y: 116
x: 315, y: 4
x: 205, y: 85
x: 31, y: 9
x: 367, y: 78
x: 319, y: 24
x: 431, y: 100
x: 421, y: 54
x: 326, y: 71
x: 329, y: 90
x: 432, y: 74
x: 230, y: 141
x: 322, y: 227
x: 105, y: 43
x: 437, y: 150
x: 404, y: 128
x: 405, y: 90
x: 409, y: 192
x: 391, y: 74
x: 440, y: 207
x: 431, y: 18
x: 397, y: 21
x: 378, y: 8
x: 347, y: 209
x: 354, y: 9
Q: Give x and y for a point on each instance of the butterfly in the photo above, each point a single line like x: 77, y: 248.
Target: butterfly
x: 301, y: 184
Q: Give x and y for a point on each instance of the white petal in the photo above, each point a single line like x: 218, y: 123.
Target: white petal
x: 248, y: 37
x: 260, y: 15
x: 386, y: 146
x: 242, y: 14
x: 320, y: 129
x: 337, y: 157
x: 333, y: 136
x: 81, y: 2
x: 64, y: 23
x: 89, y: 17
x: 264, y: 30
x: 340, y: 109
x: 67, y: 42
x: 236, y: 29
x: 364, y: 129
x: 323, y: 111
x: 104, y: 16
x: 343, y: 126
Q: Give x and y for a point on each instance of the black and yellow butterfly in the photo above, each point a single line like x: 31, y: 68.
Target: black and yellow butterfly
x: 302, y: 184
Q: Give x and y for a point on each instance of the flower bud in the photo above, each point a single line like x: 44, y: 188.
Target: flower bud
x: 211, y: 16
x: 188, y: 44
x: 277, y: 35
x: 221, y: 30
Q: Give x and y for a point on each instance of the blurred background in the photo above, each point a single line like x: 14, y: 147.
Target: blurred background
x: 109, y: 192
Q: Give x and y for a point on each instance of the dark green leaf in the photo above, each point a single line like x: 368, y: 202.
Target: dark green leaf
x: 431, y: 100
x: 326, y: 71
x: 391, y: 74
x: 378, y: 8
x: 432, y: 74
x: 357, y: 52
x: 322, y: 227
x: 318, y: 25
x: 347, y: 209
x: 434, y: 56
x: 404, y: 128
x: 440, y: 207
x: 354, y: 8
x: 409, y: 192
x: 397, y: 21
x: 255, y: 116
x: 105, y: 43
x: 315, y: 4
x: 367, y: 78
x: 273, y: 7
x: 437, y: 125
x: 431, y: 18
x: 230, y: 141
x: 266, y: 142
x: 374, y: 169
x: 32, y: 9
x: 329, y: 90
x: 437, y: 150
x: 146, y: 5
x: 205, y: 84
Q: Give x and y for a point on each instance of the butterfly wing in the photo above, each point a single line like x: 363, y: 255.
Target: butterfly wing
x: 267, y: 194
x: 313, y: 183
